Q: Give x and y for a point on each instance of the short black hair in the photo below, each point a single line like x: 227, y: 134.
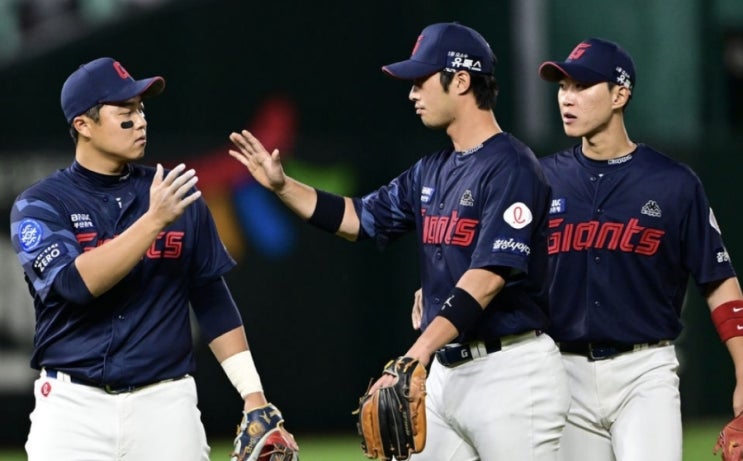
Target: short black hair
x: 484, y: 86
x: 93, y: 113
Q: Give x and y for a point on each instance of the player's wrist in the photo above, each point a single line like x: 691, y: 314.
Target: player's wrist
x: 241, y: 372
x: 728, y: 319
x: 254, y: 400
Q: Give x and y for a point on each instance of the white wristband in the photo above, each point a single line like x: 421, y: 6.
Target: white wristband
x: 241, y: 371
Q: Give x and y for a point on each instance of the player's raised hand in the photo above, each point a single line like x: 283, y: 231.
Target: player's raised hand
x: 266, y: 168
x: 169, y: 195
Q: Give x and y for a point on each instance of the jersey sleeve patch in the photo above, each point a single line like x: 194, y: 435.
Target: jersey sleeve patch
x: 30, y: 233
x: 510, y: 245
x: 48, y: 256
x: 518, y: 215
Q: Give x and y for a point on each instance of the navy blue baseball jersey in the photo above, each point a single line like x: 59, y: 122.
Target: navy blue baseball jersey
x: 484, y: 208
x: 139, y: 331
x: 624, y: 236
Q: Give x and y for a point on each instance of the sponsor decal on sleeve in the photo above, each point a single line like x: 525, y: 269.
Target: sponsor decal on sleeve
x: 30, y: 233
x: 510, y: 245
x: 518, y: 215
x: 722, y: 256
x: 47, y: 256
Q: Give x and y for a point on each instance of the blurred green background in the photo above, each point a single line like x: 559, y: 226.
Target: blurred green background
x: 323, y: 315
x: 699, y: 439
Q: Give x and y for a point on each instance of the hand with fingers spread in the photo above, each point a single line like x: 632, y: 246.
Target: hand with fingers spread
x: 266, y: 168
x: 169, y: 195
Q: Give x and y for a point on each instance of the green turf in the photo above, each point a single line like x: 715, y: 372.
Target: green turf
x: 699, y: 438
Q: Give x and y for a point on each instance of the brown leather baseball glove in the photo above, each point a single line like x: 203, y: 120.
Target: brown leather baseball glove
x: 730, y: 440
x: 392, y: 420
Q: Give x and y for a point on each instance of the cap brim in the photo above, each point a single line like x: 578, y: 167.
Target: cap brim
x: 147, y: 87
x: 410, y: 69
x: 555, y: 71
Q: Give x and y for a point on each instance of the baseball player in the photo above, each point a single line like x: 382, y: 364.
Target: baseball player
x: 113, y: 253
x: 627, y: 226
x: 497, y: 389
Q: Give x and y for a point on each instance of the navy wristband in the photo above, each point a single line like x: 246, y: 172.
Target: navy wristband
x: 328, y: 213
x: 461, y: 309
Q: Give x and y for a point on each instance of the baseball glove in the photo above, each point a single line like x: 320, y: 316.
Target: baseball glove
x: 392, y: 420
x: 730, y: 440
x: 260, y: 439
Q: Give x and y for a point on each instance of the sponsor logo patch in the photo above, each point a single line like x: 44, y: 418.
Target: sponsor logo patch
x: 518, y: 215
x: 510, y: 245
x: 47, y: 256
x: 457, y: 60
x: 722, y: 256
x: 467, y: 198
x: 557, y: 205
x: 426, y: 193
x: 651, y: 209
x: 81, y: 220
x: 30, y: 233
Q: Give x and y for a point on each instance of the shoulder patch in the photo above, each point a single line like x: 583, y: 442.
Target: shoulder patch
x: 518, y: 215
x: 30, y: 233
x: 48, y: 256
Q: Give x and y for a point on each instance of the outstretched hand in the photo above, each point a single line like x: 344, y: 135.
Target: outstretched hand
x: 266, y: 168
x: 169, y: 195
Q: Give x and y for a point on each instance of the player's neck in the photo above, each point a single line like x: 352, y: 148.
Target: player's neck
x: 613, y: 142
x: 469, y: 132
x: 98, y: 163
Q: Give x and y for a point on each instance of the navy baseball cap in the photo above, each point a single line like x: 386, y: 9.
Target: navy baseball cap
x: 593, y: 61
x: 100, y: 81
x: 445, y: 46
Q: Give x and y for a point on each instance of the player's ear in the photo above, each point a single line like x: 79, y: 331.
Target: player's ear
x: 462, y: 81
x: 620, y: 96
x: 81, y: 124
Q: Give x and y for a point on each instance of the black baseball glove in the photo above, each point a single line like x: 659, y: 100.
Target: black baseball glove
x: 392, y: 420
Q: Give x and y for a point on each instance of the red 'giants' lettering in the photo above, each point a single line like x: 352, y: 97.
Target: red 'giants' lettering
x: 450, y: 230
x: 628, y: 237
x: 167, y: 245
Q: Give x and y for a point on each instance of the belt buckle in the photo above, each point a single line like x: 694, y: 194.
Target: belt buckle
x: 454, y: 355
x: 118, y: 390
x: 598, y: 352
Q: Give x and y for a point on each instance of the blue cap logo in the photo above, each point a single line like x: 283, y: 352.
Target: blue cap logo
x: 445, y: 46
x: 103, y: 80
x: 592, y: 61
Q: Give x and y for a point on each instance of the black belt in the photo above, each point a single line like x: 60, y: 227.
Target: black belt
x: 601, y: 351
x: 453, y: 355
x: 110, y: 389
